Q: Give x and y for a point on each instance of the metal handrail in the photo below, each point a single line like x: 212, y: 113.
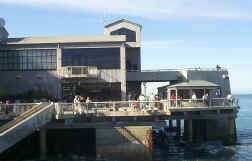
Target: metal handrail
x: 17, y: 108
x: 22, y: 117
x: 136, y: 106
x: 179, y: 69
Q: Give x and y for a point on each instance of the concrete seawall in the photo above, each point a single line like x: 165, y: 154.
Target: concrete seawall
x: 124, y: 143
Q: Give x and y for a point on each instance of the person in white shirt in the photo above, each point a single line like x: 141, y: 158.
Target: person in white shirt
x: 77, y: 107
x: 230, y: 98
x: 194, y: 98
x: 141, y: 99
x: 205, y: 99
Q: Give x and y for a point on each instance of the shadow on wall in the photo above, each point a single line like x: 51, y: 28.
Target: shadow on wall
x: 29, y: 96
x: 27, y: 86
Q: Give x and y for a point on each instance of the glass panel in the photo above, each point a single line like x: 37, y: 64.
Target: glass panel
x: 28, y: 59
x: 24, y: 66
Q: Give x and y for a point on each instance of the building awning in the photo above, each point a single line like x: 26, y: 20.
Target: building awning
x: 194, y: 84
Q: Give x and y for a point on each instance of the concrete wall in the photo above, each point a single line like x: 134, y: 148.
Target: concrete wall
x: 153, y: 76
x: 123, y: 143
x: 212, y: 76
x: 127, y: 25
x: 13, y: 82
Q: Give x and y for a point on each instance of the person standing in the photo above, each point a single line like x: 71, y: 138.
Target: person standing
x: 173, y: 99
x: 205, y: 99
x: 129, y: 99
x: 194, y: 98
x: 141, y: 99
x: 87, y: 101
x: 6, y: 107
x: 76, y: 104
x: 1, y: 104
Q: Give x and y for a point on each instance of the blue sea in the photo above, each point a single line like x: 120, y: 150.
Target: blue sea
x: 215, y: 151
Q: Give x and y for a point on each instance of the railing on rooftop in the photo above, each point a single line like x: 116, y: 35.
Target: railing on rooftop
x: 179, y: 69
x: 79, y: 72
x: 143, y: 106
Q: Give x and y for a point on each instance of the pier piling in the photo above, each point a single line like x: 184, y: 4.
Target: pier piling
x: 43, y: 146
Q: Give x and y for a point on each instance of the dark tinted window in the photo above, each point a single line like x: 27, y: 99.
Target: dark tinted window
x: 130, y: 35
x: 102, y: 58
x: 23, y: 60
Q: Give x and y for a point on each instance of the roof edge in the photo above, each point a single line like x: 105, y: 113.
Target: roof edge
x: 122, y: 20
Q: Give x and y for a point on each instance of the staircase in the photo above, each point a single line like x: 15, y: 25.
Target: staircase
x: 25, y: 124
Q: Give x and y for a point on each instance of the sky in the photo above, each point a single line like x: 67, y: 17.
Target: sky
x: 175, y: 33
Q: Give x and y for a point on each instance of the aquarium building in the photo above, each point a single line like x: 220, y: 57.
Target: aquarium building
x: 106, y: 67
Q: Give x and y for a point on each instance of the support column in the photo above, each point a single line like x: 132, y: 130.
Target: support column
x: 169, y: 97
x: 190, y: 131
x: 170, y: 124
x: 190, y: 93
x: 59, y: 65
x: 123, y: 71
x: 178, y: 127
x: 231, y: 131
x: 43, y: 146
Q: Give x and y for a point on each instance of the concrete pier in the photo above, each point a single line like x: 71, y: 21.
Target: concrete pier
x: 124, y: 143
x: 127, y: 135
x: 189, y: 131
x: 231, y: 132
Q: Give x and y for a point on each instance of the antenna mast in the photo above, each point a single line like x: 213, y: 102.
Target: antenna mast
x: 104, y: 20
x: 104, y: 17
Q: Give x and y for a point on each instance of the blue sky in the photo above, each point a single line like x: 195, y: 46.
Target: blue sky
x: 175, y: 34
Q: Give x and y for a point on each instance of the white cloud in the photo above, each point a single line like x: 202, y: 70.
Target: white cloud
x: 154, y: 9
x: 161, y: 43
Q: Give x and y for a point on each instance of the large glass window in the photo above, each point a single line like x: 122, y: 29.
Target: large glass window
x: 130, y: 35
x: 102, y: 58
x: 27, y: 60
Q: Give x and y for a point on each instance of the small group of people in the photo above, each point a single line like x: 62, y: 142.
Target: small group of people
x: 142, y: 102
x: 205, y: 98
x: 173, y: 100
x: 4, y: 107
x: 78, y: 101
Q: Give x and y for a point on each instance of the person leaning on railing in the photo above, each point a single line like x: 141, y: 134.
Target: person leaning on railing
x: 142, y: 99
x: 230, y: 98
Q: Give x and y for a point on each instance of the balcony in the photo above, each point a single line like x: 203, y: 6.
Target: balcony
x: 79, y: 72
